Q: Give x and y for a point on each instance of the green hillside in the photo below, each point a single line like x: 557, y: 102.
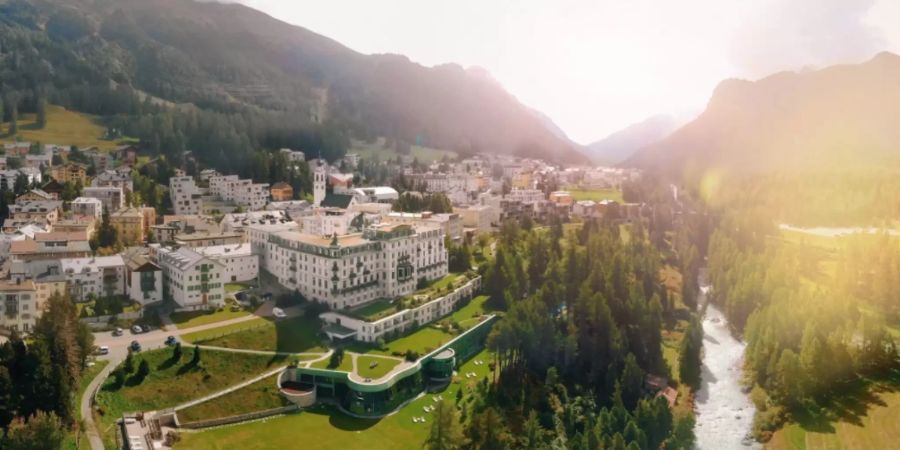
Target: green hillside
x: 63, y: 128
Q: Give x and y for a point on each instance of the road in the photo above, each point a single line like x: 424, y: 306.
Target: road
x: 118, y: 350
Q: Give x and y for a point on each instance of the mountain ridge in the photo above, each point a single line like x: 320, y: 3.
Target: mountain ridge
x: 837, y: 115
x: 227, y: 56
x: 621, y: 144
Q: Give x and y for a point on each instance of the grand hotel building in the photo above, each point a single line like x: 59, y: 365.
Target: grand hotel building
x: 384, y: 261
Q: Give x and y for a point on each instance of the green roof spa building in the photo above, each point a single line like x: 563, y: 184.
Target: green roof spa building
x: 374, y: 398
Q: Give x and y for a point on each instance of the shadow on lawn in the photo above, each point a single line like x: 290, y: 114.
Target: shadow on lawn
x: 344, y: 422
x: 849, y: 405
x: 298, y: 335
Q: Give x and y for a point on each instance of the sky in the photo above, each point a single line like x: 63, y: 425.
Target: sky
x: 596, y: 66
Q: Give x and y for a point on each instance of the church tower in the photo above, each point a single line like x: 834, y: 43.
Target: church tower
x: 319, y: 184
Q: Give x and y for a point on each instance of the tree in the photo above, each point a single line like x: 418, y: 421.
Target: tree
x: 532, y: 433
x: 128, y: 366
x: 176, y: 353
x: 106, y: 236
x: 789, y: 378
x: 196, y: 358
x: 689, y: 354
x: 41, y: 431
x: 143, y: 370
x: 631, y: 381
x: 41, y: 118
x: 487, y: 431
x: 13, y: 118
x: 683, y: 435
x: 21, y: 184
x: 337, y: 357
x: 446, y: 431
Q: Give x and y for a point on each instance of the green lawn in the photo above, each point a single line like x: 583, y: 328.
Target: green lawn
x: 346, y: 364
x: 259, y: 396
x: 63, y: 128
x: 375, y: 310
x: 330, y: 429
x: 377, y: 151
x: 595, y: 194
x: 189, y: 319
x: 471, y: 314
x: 444, y: 282
x: 384, y: 365
x: 237, y: 287
x: 127, y: 307
x: 422, y: 341
x: 294, y: 335
x: 170, y: 384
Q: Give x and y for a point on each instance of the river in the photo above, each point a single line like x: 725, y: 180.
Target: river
x: 724, y: 411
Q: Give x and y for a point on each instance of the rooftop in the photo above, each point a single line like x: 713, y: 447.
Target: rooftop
x: 92, y: 264
x: 337, y: 201
x: 8, y: 286
x: 226, y: 250
x: 183, y: 258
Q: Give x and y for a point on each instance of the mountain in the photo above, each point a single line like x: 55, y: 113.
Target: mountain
x: 620, y: 145
x: 228, y: 57
x: 839, y: 116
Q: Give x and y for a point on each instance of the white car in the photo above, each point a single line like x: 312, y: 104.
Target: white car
x: 103, y: 350
x: 278, y: 313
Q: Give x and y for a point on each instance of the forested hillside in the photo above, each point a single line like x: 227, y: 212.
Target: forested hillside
x: 261, y: 82
x: 585, y: 312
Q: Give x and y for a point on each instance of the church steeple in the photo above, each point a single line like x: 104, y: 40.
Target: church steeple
x: 319, y: 181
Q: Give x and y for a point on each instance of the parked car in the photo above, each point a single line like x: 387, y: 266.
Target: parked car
x: 170, y: 341
x: 136, y: 329
x: 118, y: 332
x: 135, y: 346
x: 278, y: 313
x: 103, y: 350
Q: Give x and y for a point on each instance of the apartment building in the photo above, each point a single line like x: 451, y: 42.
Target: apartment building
x: 112, y: 197
x: 133, y: 223
x: 477, y: 217
x: 53, y: 245
x: 47, y: 277
x: 18, y: 307
x: 385, y: 260
x: 114, y: 178
x: 186, y: 196
x: 100, y: 276
x: 70, y: 173
x: 191, y: 280
x: 143, y: 277
x: 245, y: 192
x: 36, y: 195
x: 40, y: 211
x: 87, y: 206
x: 526, y: 195
x: 239, y: 261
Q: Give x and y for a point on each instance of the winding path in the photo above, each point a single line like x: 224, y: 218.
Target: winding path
x: 118, y: 349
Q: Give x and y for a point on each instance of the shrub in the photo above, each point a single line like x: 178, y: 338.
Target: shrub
x: 143, y: 370
x: 411, y: 356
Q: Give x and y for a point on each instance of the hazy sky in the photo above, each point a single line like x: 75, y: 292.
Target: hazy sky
x: 595, y: 66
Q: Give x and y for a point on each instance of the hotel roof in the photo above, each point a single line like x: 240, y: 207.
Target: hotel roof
x: 215, y: 251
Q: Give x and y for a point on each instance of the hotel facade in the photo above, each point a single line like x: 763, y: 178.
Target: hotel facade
x: 384, y: 261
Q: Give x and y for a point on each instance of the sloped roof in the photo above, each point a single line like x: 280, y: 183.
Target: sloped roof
x: 337, y: 201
